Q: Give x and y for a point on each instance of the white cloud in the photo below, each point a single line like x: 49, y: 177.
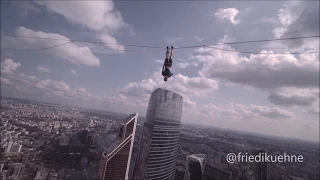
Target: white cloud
x: 97, y: 15
x: 9, y: 66
x: 269, y: 70
x: 227, y: 14
x: 31, y: 85
x: 198, y: 38
x: 188, y: 105
x: 111, y: 42
x: 70, y: 52
x: 34, y: 86
x: 242, y: 112
x: 187, y: 87
x: 278, y: 32
x: 298, y: 18
x: 183, y: 65
x: 290, y: 80
x: 5, y: 80
x: 295, y: 96
x: 226, y: 38
x: 100, y: 16
x: 314, y: 109
x: 290, y: 12
x: 74, y: 72
x: 43, y: 69
x: 196, y: 86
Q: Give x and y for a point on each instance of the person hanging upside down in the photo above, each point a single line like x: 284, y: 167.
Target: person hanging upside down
x: 167, y: 65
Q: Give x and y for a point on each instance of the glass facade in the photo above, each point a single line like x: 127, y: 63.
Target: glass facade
x: 195, y: 167
x: 159, y: 146
x: 115, y: 163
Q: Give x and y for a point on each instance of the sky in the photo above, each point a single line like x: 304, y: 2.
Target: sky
x: 273, y: 94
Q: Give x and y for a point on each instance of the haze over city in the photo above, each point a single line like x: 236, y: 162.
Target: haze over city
x: 273, y: 94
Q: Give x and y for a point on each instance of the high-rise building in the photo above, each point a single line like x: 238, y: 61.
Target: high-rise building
x: 259, y: 170
x: 214, y: 172
x: 158, y: 149
x: 115, y: 161
x: 195, y: 167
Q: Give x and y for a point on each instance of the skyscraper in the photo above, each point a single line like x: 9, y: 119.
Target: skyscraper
x: 195, y: 167
x: 115, y: 161
x: 159, y: 144
x: 259, y: 169
x: 213, y: 172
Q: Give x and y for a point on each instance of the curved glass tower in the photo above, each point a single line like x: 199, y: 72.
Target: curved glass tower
x: 195, y: 167
x: 159, y: 144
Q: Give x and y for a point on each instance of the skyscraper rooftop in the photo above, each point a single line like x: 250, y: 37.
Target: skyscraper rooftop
x: 159, y: 144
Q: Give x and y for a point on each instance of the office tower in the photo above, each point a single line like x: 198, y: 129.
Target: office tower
x: 214, y: 172
x: 115, y: 161
x: 259, y: 169
x: 158, y: 149
x: 195, y: 167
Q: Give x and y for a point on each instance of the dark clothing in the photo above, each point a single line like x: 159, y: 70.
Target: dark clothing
x: 168, y: 63
x: 166, y: 72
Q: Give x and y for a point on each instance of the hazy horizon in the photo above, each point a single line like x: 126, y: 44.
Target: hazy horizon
x: 182, y: 122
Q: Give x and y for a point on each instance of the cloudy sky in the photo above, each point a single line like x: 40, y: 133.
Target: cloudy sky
x: 275, y: 94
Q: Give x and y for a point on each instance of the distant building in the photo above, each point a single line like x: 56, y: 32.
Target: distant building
x: 8, y: 148
x: 115, y: 161
x: 17, y: 169
x: 195, y: 167
x: 91, y: 123
x: 84, y: 163
x: 217, y: 159
x: 158, y: 151
x: 42, y: 174
x: 63, y: 140
x: 216, y: 173
x: 259, y: 170
x: 56, y: 125
x: 16, y: 148
x: 13, y: 148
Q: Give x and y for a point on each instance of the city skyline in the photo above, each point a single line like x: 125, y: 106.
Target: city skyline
x: 266, y: 93
x: 62, y: 142
x: 226, y: 129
